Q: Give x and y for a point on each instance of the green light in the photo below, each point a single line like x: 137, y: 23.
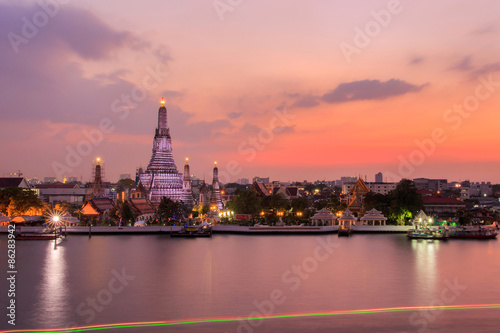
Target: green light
x: 277, y: 316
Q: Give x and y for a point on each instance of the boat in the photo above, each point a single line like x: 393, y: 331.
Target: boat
x: 427, y: 233
x: 473, y: 232
x: 193, y: 231
x: 46, y: 234
x: 345, y: 232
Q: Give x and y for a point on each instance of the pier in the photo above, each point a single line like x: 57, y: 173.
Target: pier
x: 222, y: 229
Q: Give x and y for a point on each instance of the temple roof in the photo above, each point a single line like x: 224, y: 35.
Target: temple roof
x: 261, y: 189
x: 439, y: 200
x: 420, y: 217
x: 374, y: 215
x: 347, y: 216
x: 141, y: 206
x: 360, y: 187
x: 97, y: 206
x: 323, y: 214
x: 12, y: 182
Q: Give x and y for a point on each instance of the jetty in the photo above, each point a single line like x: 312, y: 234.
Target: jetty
x: 221, y: 229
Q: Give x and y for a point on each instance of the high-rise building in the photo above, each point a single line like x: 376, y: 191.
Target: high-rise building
x: 49, y: 180
x: 161, y: 178
x: 379, y: 178
x: 243, y: 181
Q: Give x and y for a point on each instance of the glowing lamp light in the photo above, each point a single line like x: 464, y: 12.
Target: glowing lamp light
x: 162, y: 101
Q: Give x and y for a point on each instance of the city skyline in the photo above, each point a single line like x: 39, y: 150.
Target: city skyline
x: 289, y: 90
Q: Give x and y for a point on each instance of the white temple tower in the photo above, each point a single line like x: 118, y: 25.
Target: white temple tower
x: 215, y: 198
x: 187, y: 193
x: 161, y: 178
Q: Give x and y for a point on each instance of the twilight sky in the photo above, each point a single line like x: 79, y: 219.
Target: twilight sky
x: 289, y: 89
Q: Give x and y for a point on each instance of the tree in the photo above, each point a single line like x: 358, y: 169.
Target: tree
x: 464, y: 217
x: 245, y: 202
x: 405, y: 201
x: 275, y: 202
x: 335, y: 204
x: 126, y: 183
x: 19, y: 201
x: 205, y: 209
x: 299, y: 204
x: 169, y: 209
x: 380, y: 202
x: 65, y: 207
x: 125, y: 212
x: 320, y: 204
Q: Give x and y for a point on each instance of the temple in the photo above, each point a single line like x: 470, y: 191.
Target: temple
x: 356, y: 196
x: 187, y: 193
x: 215, y: 198
x: 161, y: 178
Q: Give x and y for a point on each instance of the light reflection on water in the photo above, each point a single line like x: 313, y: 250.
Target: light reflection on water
x: 226, y: 275
x: 53, y: 300
x: 425, y: 253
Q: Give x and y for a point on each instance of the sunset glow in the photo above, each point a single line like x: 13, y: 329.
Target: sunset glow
x: 288, y: 89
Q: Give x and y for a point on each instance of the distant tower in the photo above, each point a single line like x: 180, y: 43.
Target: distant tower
x: 204, y: 195
x: 379, y: 178
x: 187, y: 193
x: 215, y: 198
x: 98, y: 172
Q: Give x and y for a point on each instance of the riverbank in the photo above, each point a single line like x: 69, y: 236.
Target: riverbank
x: 223, y: 229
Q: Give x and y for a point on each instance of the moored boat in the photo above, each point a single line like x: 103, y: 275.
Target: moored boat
x: 473, y: 232
x: 345, y: 232
x: 46, y: 234
x: 193, y: 231
x: 427, y: 233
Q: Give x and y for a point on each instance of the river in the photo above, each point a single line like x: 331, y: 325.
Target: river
x: 141, y: 278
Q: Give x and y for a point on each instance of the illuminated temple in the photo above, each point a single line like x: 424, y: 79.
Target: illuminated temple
x: 161, y: 178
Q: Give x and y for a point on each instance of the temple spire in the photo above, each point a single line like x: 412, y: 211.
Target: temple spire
x: 162, y: 178
x: 215, y: 198
x: 162, y: 120
x: 187, y: 193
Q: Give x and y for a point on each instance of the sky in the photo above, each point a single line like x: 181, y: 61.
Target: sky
x: 288, y: 89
